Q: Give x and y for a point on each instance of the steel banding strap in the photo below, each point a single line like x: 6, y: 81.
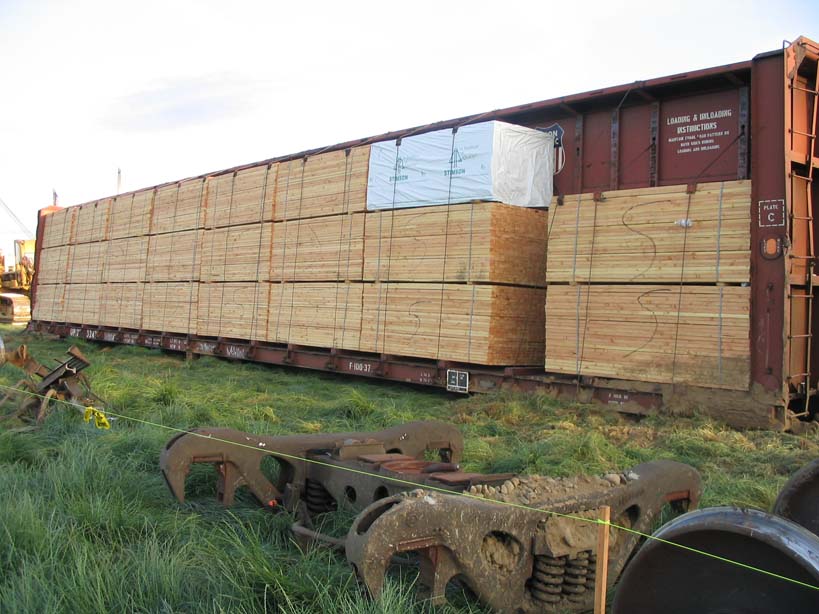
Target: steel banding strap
x: 145, y: 282
x: 680, y: 293
x: 226, y: 230
x: 589, y: 287
x: 379, y: 283
x: 257, y: 282
x: 348, y: 179
x: 721, y: 289
x: 446, y: 242
x: 284, y: 249
x: 296, y: 252
x: 172, y: 251
x: 469, y: 279
x: 194, y: 283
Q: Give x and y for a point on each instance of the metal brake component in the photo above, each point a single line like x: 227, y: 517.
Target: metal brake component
x: 42, y: 385
x: 673, y: 580
x: 798, y: 501
x: 238, y: 457
x: 516, y: 559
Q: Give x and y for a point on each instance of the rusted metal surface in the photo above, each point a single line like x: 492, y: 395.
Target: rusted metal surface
x: 515, y: 559
x: 237, y: 456
x: 672, y: 580
x: 34, y: 393
x: 798, y: 501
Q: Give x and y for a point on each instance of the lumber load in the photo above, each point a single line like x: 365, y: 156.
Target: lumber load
x: 92, y: 221
x: 235, y: 310
x: 236, y: 253
x: 653, y: 333
x: 60, y: 227
x: 170, y: 307
x: 121, y: 305
x: 318, y: 249
x: 131, y: 214
x: 126, y: 260
x: 87, y: 262
x: 326, y: 315
x: 175, y: 256
x: 490, y: 325
x: 324, y: 184
x: 53, y: 266
x: 653, y: 235
x: 49, y: 306
x: 477, y: 242
x: 82, y: 303
x: 242, y: 197
x: 178, y: 207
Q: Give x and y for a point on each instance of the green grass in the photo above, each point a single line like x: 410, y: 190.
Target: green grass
x: 87, y: 525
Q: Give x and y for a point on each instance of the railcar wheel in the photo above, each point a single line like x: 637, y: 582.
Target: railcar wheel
x: 672, y: 580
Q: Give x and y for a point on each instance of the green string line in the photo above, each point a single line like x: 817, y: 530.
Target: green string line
x: 444, y: 491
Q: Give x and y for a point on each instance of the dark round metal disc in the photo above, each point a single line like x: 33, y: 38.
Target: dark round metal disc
x: 798, y: 500
x: 670, y: 580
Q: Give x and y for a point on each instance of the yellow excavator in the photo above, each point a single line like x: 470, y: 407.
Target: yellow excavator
x: 15, y: 284
x: 16, y: 277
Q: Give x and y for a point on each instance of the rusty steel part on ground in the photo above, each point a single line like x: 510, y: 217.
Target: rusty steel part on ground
x: 798, y: 501
x: 308, y: 487
x: 41, y: 385
x: 513, y: 557
x: 673, y: 580
x: 517, y: 559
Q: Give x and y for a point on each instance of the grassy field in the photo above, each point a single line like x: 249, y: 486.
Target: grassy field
x: 87, y: 524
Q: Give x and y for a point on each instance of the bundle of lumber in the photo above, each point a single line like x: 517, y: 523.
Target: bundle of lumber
x: 476, y: 242
x: 287, y: 253
x: 485, y: 324
x: 652, y: 285
x: 653, y: 235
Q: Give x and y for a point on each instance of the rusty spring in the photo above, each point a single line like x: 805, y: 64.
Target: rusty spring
x: 555, y: 578
x: 319, y: 501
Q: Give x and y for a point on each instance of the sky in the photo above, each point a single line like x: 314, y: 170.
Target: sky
x: 170, y: 89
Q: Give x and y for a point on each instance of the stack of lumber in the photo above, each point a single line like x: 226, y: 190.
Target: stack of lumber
x: 652, y: 285
x: 481, y: 243
x: 287, y: 253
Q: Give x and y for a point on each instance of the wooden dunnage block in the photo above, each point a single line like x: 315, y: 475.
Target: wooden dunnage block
x: 179, y: 206
x: 131, y: 214
x: 653, y: 235
x: 478, y: 242
x: 60, y: 227
x: 49, y: 305
x: 126, y: 260
x: 92, y: 221
x: 654, y: 333
x: 236, y: 253
x: 175, y: 256
x: 324, y: 184
x: 483, y: 324
x: 315, y: 314
x: 170, y: 307
x: 54, y: 265
x: 234, y: 310
x: 241, y: 197
x: 87, y: 262
x: 82, y: 304
x: 318, y: 249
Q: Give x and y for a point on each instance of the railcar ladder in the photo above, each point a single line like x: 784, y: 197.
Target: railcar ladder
x: 806, y: 163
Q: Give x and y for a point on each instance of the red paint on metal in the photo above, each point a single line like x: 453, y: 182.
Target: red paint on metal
x: 768, y: 184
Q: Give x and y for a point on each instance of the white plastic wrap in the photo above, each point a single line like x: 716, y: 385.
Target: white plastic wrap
x: 492, y: 161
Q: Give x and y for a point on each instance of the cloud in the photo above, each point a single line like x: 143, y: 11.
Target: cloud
x: 181, y: 103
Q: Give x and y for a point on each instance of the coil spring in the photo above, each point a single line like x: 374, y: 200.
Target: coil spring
x: 319, y: 501
x: 555, y: 578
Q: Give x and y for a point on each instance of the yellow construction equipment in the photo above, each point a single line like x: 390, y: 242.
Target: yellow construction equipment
x: 15, y: 284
